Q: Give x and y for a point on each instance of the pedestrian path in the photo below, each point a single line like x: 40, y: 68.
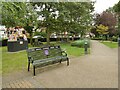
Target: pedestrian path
x: 96, y: 70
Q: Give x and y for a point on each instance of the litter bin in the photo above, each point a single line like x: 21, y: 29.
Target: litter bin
x: 14, y: 46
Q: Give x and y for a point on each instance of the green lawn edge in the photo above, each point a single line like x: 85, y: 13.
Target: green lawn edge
x: 110, y: 44
x: 16, y: 61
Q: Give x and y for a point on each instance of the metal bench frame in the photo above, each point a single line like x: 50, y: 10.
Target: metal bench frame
x: 48, y: 59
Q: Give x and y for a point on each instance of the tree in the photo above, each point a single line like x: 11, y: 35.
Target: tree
x: 107, y: 19
x: 64, y: 16
x: 102, y: 30
x: 116, y: 9
x: 19, y: 14
x: 13, y: 13
x: 79, y: 16
x: 30, y: 20
x: 47, y: 10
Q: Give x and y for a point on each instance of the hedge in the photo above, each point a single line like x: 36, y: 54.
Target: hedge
x: 80, y: 43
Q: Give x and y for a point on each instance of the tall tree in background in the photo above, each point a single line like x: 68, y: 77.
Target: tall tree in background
x: 102, y: 30
x: 30, y: 20
x: 13, y: 13
x: 55, y: 16
x: 47, y: 12
x: 116, y: 9
x: 80, y: 17
x: 19, y: 14
x: 107, y: 19
x: 65, y: 16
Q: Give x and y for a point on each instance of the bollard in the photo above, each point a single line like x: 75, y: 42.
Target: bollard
x: 118, y: 41
x: 85, y: 47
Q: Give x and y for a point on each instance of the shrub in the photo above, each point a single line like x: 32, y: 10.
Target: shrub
x: 80, y: 43
x: 40, y: 33
x: 114, y: 38
x: 96, y: 38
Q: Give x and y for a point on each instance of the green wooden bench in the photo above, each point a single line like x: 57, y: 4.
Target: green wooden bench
x: 40, y: 57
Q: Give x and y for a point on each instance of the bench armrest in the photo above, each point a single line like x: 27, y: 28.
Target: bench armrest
x: 30, y: 59
x: 64, y: 53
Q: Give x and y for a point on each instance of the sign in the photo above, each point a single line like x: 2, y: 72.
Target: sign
x: 21, y: 42
x: 46, y: 52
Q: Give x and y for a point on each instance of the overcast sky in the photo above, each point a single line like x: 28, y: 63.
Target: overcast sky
x: 102, y: 5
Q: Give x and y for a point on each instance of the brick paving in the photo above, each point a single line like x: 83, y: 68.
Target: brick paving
x: 97, y: 70
x: 20, y: 82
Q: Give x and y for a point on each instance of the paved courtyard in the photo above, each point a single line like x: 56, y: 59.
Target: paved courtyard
x: 96, y: 70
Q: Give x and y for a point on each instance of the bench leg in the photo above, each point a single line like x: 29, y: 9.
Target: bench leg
x: 60, y: 61
x: 67, y: 61
x: 34, y: 70
x: 28, y: 66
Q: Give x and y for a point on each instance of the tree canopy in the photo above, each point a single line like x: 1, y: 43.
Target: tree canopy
x: 65, y: 16
x: 57, y: 17
x: 116, y: 9
x: 107, y: 19
x: 101, y: 29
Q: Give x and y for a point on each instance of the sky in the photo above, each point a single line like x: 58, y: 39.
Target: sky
x: 102, y: 5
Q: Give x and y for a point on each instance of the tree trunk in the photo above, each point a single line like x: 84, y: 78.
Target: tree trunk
x: 105, y: 37
x: 62, y: 38
x: 58, y: 38
x: 67, y: 38
x: 31, y: 41
x: 48, y: 36
x: 72, y: 37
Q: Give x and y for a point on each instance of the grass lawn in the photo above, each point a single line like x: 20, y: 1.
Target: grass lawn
x: 110, y: 44
x: 72, y: 51
x: 14, y: 61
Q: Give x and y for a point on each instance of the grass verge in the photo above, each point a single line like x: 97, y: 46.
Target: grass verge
x: 15, y: 61
x: 110, y: 44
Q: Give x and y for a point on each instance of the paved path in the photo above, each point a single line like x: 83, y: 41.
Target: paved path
x: 97, y: 70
